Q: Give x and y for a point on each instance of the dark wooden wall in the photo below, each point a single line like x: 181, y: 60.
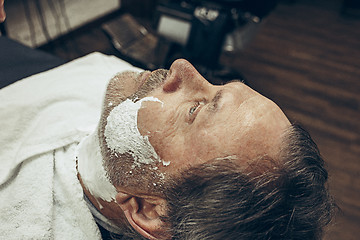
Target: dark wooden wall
x: 306, y: 57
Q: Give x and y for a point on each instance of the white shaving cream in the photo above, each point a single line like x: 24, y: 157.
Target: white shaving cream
x: 122, y: 134
x: 92, y: 171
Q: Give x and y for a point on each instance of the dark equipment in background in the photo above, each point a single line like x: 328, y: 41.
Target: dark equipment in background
x: 201, y: 28
x: 197, y: 30
x: 201, y: 31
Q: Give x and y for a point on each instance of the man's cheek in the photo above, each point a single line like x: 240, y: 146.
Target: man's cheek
x: 151, y: 117
x: 147, y: 122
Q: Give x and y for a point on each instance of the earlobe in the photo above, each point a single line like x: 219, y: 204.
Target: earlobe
x: 143, y: 214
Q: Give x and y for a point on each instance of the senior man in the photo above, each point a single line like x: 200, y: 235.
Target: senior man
x: 174, y: 157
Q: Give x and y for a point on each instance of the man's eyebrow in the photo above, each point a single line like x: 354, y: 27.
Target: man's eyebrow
x: 213, y: 106
x: 217, y: 96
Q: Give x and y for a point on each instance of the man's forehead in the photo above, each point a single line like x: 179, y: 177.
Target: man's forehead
x: 246, y: 130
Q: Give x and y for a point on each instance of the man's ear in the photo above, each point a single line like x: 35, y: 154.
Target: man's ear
x: 143, y: 213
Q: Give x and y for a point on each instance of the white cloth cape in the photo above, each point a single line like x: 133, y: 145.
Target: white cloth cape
x: 42, y: 119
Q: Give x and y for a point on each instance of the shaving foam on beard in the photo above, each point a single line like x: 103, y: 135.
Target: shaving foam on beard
x: 92, y: 171
x: 122, y: 134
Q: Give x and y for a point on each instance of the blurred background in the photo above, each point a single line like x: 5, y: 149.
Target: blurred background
x: 303, y: 54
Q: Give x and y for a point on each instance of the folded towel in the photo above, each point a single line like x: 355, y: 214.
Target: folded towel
x: 42, y: 119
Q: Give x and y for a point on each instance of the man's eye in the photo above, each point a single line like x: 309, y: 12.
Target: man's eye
x: 193, y: 108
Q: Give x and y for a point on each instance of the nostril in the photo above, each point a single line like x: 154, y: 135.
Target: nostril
x: 172, y: 82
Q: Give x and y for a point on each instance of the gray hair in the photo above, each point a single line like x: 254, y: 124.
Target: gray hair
x: 288, y: 199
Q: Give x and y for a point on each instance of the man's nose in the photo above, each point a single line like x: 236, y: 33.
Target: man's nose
x: 183, y: 74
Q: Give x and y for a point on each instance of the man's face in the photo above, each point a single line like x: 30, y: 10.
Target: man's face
x: 195, y: 121
x: 198, y: 121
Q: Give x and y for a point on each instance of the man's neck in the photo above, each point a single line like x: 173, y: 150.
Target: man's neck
x: 91, y: 169
x: 109, y: 210
x: 94, y: 181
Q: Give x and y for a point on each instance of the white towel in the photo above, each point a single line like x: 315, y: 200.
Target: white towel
x: 42, y: 119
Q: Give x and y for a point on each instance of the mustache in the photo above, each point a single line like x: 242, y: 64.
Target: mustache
x: 153, y: 82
